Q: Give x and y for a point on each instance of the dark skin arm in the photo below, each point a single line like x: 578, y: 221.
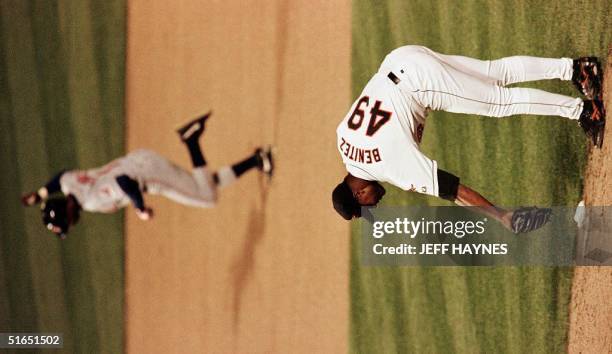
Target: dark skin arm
x: 370, y: 193
x: 469, y: 198
x: 53, y: 186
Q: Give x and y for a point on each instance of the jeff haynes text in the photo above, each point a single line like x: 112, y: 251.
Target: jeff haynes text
x: 442, y: 248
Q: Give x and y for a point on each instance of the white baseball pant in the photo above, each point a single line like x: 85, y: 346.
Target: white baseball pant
x: 161, y: 176
x: 465, y: 85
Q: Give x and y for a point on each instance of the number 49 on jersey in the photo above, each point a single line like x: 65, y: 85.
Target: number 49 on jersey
x: 378, y: 116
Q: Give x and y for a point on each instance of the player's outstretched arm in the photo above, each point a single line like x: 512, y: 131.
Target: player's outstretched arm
x: 518, y: 221
x: 53, y: 186
x: 131, y: 188
x: 467, y: 197
x: 30, y: 199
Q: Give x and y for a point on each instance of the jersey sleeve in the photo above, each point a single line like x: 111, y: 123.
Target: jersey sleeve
x: 132, y: 190
x: 67, y: 182
x: 53, y: 185
x: 75, y: 183
x: 412, y: 171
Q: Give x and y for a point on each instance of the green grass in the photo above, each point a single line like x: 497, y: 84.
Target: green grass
x: 523, y: 160
x: 62, y: 106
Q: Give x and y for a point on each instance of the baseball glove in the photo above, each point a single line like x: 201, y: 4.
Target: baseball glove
x: 529, y: 219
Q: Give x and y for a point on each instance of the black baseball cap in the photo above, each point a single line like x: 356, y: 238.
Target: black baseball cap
x: 344, y: 202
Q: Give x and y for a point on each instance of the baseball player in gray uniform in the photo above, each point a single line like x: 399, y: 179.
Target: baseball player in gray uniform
x: 124, y: 180
x: 379, y: 137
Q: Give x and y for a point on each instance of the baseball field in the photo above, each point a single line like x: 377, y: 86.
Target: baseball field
x: 273, y: 269
x: 517, y: 161
x: 62, y: 106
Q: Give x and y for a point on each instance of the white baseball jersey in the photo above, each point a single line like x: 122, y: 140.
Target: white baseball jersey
x: 97, y: 189
x: 379, y: 137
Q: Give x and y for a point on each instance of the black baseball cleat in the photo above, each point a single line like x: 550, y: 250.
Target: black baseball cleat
x: 593, y: 121
x: 194, y: 128
x: 587, y: 76
x: 265, y: 160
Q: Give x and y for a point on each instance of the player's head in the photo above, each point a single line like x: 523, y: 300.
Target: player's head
x: 59, y: 213
x: 352, y: 193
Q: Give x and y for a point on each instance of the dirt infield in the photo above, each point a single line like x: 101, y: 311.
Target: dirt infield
x: 267, y: 270
x: 591, y: 308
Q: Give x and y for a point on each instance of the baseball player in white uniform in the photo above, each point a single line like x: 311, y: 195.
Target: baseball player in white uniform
x: 379, y: 137
x: 124, y: 180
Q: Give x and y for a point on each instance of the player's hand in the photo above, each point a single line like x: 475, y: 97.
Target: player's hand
x: 145, y: 214
x: 30, y: 199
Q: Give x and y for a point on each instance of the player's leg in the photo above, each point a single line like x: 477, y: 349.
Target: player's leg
x: 190, y: 135
x: 497, y: 101
x: 199, y: 188
x: 165, y: 178
x: 585, y: 72
x: 439, y: 86
x: 449, y: 89
x: 195, y: 188
x: 510, y: 70
x: 504, y: 71
x: 260, y: 159
x: 160, y: 176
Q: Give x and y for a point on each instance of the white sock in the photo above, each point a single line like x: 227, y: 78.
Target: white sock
x: 226, y: 176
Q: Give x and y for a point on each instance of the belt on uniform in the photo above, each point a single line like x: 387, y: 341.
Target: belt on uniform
x: 396, y: 80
